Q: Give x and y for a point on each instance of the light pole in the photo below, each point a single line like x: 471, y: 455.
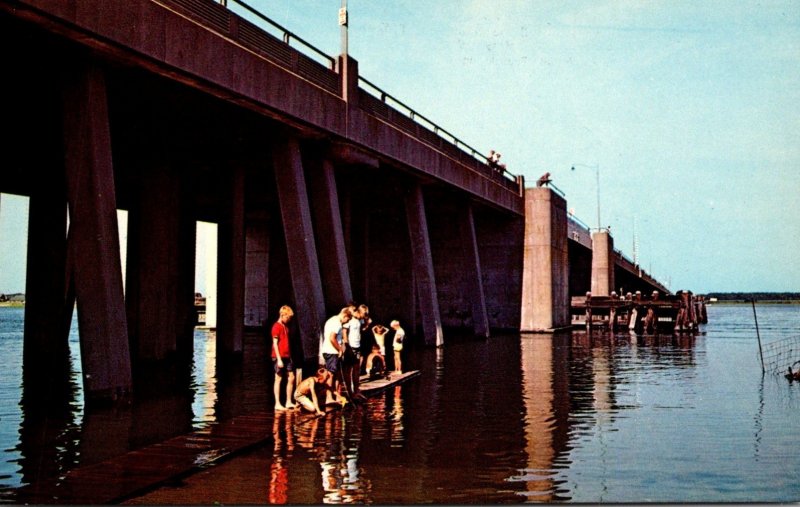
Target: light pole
x: 596, y: 168
x: 343, y: 23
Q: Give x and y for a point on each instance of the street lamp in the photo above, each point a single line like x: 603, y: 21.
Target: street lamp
x: 596, y: 168
x: 343, y: 23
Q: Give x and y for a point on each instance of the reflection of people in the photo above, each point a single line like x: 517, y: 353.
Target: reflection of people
x: 281, y: 358
x: 279, y: 473
x: 307, y: 394
x: 397, y: 345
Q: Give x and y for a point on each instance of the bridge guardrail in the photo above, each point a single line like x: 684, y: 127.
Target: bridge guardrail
x: 319, y: 67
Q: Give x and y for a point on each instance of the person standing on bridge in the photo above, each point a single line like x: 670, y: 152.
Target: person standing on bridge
x: 282, y: 358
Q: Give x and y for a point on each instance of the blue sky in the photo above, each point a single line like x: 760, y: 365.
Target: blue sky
x: 690, y: 109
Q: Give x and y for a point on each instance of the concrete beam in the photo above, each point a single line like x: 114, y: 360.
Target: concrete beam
x: 422, y: 260
x: 94, y: 236
x: 602, y: 263
x: 302, y: 251
x: 545, y: 280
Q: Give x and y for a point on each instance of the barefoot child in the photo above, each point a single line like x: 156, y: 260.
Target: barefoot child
x: 397, y: 345
x: 380, y: 335
x: 376, y: 365
x: 306, y: 393
x: 281, y: 358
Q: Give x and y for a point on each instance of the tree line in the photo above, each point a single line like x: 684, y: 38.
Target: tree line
x: 758, y: 296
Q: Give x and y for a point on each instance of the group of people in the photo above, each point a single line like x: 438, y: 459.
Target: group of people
x: 493, y: 160
x: 345, y: 350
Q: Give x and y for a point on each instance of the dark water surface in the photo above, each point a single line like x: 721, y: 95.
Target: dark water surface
x: 573, y: 418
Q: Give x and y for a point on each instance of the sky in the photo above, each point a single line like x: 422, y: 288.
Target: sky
x: 689, y: 112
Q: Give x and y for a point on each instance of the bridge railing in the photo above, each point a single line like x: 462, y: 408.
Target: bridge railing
x: 288, y: 37
x: 381, y: 103
x: 272, y: 40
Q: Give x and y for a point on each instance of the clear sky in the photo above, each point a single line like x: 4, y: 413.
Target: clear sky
x: 690, y: 109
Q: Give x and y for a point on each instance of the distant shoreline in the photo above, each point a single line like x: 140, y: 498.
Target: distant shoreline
x: 747, y: 302
x: 12, y: 304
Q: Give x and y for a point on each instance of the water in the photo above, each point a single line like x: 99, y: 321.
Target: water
x: 570, y: 418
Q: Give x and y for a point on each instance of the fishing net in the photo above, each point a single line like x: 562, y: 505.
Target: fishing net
x: 780, y: 355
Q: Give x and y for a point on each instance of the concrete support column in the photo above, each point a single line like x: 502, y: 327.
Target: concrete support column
x: 602, y: 263
x: 187, y: 258
x: 545, y: 279
x: 256, y: 285
x: 94, y: 237
x: 473, y: 276
x: 422, y: 264
x: 327, y: 220
x: 47, y: 311
x: 153, y: 265
x: 230, y: 265
x: 348, y: 74
x: 302, y: 251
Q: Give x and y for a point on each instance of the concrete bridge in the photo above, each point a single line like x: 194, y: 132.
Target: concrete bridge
x: 324, y: 188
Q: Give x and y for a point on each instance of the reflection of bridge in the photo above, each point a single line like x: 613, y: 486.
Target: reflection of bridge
x: 323, y: 189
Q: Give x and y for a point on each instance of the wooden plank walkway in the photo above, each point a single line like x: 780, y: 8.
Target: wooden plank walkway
x: 135, y: 472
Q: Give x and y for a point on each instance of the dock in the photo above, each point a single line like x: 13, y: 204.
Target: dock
x: 636, y: 312
x: 134, y: 473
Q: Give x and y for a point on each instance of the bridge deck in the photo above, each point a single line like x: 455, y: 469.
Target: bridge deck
x: 136, y: 472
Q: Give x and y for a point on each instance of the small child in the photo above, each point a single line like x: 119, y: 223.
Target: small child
x: 376, y: 365
x: 306, y: 393
x: 397, y: 345
x: 380, y: 335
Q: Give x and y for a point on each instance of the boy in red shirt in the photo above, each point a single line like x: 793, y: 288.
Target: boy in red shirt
x: 282, y: 359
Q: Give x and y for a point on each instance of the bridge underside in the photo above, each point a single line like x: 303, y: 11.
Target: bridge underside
x: 303, y: 219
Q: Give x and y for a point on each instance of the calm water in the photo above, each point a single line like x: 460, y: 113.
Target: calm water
x: 571, y: 418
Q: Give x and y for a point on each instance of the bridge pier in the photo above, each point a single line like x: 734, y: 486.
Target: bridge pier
x: 545, y: 279
x: 93, y: 236
x: 301, y: 249
x: 231, y: 264
x: 48, y: 306
x: 422, y: 264
x: 160, y: 267
x: 602, y: 263
x: 328, y: 232
x: 473, y: 275
x: 257, y: 262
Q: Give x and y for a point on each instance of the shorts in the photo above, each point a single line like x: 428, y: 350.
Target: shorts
x: 397, y: 347
x: 288, y: 365
x: 305, y: 401
x: 332, y: 362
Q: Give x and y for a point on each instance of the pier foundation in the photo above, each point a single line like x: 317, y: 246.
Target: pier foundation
x: 545, y: 279
x: 602, y: 263
x: 94, y: 237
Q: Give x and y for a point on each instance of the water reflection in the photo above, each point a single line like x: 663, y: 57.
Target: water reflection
x: 578, y: 417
